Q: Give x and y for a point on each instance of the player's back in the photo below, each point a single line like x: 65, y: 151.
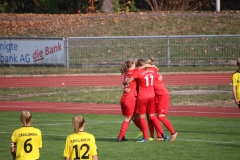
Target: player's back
x: 159, y: 87
x: 28, y: 141
x: 145, y: 81
x: 80, y: 146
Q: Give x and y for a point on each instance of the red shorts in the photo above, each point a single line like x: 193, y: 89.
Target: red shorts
x: 146, y: 106
x: 162, y: 103
x: 128, y: 106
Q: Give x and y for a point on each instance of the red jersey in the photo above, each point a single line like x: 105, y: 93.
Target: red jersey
x: 131, y: 86
x: 159, y: 87
x: 145, y: 79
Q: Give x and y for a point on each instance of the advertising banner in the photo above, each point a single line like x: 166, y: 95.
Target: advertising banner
x: 50, y: 52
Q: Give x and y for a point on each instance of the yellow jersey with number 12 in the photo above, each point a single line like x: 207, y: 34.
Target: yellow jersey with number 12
x: 80, y: 146
x: 28, y: 141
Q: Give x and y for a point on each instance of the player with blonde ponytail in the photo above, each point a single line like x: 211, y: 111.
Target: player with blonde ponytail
x: 80, y: 144
x: 27, y: 140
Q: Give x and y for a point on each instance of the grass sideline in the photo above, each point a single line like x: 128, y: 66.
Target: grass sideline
x: 199, y: 138
x: 112, y: 95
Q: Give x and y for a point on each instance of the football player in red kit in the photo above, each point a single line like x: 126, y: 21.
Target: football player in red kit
x: 128, y: 99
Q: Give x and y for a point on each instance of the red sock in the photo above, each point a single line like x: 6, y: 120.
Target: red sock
x: 137, y: 123
x: 144, y: 127
x: 158, y: 126
x: 167, y: 124
x: 123, y: 129
x: 151, y: 128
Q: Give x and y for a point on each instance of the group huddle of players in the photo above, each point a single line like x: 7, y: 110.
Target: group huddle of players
x: 145, y: 94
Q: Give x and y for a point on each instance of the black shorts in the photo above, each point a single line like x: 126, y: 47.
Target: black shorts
x: 239, y: 105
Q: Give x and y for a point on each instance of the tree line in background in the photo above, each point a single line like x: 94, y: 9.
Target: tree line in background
x: 85, y: 6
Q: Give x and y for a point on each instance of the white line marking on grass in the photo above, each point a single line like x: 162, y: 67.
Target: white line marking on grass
x: 208, y: 124
x: 190, y: 140
x: 194, y: 140
x: 202, y: 112
x: 55, y: 124
x: 55, y: 135
x: 52, y: 124
x: 6, y: 132
x: 42, y: 134
x: 17, y: 119
x: 89, y: 123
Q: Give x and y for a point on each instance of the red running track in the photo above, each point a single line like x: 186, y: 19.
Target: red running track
x: 111, y: 80
x: 82, y: 108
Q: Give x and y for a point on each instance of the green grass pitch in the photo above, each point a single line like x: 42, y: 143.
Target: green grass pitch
x: 199, y: 138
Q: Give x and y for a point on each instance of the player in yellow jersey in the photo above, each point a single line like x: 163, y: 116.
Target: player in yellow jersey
x: 80, y: 145
x: 27, y: 140
x: 236, y: 84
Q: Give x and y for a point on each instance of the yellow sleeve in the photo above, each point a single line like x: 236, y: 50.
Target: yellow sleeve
x: 13, y: 140
x: 94, y: 146
x: 40, y: 139
x: 66, y: 152
x: 234, y: 80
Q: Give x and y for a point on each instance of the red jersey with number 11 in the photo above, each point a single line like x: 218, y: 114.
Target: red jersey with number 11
x: 145, y: 79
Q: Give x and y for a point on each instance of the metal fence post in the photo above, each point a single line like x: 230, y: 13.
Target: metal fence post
x: 67, y: 53
x: 168, y: 51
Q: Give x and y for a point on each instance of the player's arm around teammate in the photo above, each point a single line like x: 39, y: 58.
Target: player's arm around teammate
x: 80, y: 144
x: 27, y: 140
x: 129, y: 80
